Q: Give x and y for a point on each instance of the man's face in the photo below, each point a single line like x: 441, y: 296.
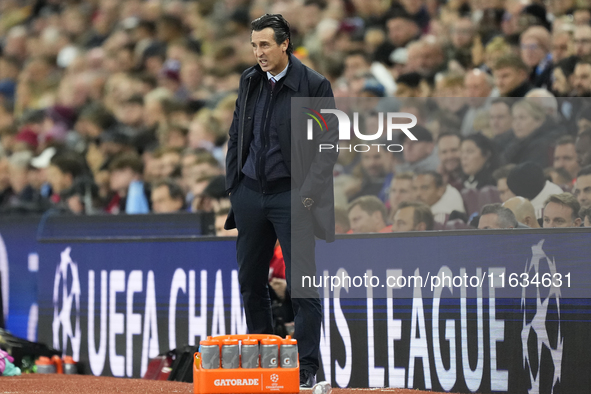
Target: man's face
x: 58, y: 180
x: 476, y: 86
x: 558, y: 215
x: 583, y: 190
x: 508, y: 78
x: 490, y: 220
x: 121, y: 179
x: 415, y: 151
x: 582, y: 80
x: 425, y: 189
x: 583, y: 148
x: 531, y: 51
x: 404, y: 220
x: 400, y: 190
x: 504, y: 192
x: 355, y: 65
x: 449, y: 152
x: 162, y: 202
x: 271, y: 56
x: 500, y: 118
x: 561, y: 47
x: 376, y: 164
x: 362, y: 222
x: 401, y: 31
x: 565, y: 156
x: 582, y: 40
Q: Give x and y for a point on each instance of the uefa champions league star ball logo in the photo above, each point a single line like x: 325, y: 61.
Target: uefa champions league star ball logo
x: 65, y: 298
x: 274, y: 378
x: 535, y: 334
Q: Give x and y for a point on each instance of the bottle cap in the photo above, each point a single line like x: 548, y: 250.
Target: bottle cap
x: 250, y: 341
x: 270, y: 341
x: 43, y: 361
x: 230, y: 341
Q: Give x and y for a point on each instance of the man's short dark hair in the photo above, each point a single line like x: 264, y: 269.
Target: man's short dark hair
x: 279, y: 25
x: 567, y: 200
x: 436, y: 177
x: 369, y: 204
x: 503, y: 172
x: 127, y: 160
x: 422, y: 213
x: 565, y: 140
x: 506, y: 217
x: 174, y: 190
x: 69, y: 163
x: 584, y: 171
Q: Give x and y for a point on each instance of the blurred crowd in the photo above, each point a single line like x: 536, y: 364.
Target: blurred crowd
x: 114, y: 107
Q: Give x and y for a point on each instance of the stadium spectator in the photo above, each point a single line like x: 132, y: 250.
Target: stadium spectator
x: 401, y: 28
x: 562, y: 76
x: 418, y: 155
x: 478, y: 87
x: 523, y: 210
x: 367, y: 214
x: 562, y: 45
x: 582, y: 77
x: 527, y: 180
x: 448, y: 150
x: 582, y: 40
x: 501, y: 123
x: 409, y: 85
x: 167, y: 197
x: 129, y: 193
x: 377, y: 167
x: 63, y: 170
x: 535, y: 134
x: 585, y: 214
x: 495, y: 216
x: 561, y: 210
x: 583, y: 148
x: 412, y: 216
x: 400, y: 190
x: 535, y: 53
x: 341, y: 220
x: 511, y: 76
x: 501, y: 175
x: 443, y: 199
x: 565, y: 156
x: 479, y: 160
x: 582, y: 188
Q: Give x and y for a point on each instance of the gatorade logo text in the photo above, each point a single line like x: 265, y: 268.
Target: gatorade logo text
x: 287, y: 361
x: 236, y: 382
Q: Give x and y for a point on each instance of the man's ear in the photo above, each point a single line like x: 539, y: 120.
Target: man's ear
x: 285, y: 45
x: 578, y: 222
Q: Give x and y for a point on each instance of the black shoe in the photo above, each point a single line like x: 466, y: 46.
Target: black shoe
x: 307, y: 380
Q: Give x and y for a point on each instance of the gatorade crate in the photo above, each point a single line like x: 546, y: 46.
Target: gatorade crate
x: 245, y: 380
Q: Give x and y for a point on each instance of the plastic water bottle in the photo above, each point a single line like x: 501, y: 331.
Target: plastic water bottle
x: 322, y: 388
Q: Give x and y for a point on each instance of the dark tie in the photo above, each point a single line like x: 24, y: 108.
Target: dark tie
x: 272, y: 82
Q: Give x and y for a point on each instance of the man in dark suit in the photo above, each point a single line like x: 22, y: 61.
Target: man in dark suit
x: 280, y: 185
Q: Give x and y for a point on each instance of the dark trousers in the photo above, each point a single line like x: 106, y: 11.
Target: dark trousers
x: 261, y: 219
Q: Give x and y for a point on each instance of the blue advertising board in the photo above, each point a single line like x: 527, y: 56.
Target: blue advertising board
x: 473, y: 324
